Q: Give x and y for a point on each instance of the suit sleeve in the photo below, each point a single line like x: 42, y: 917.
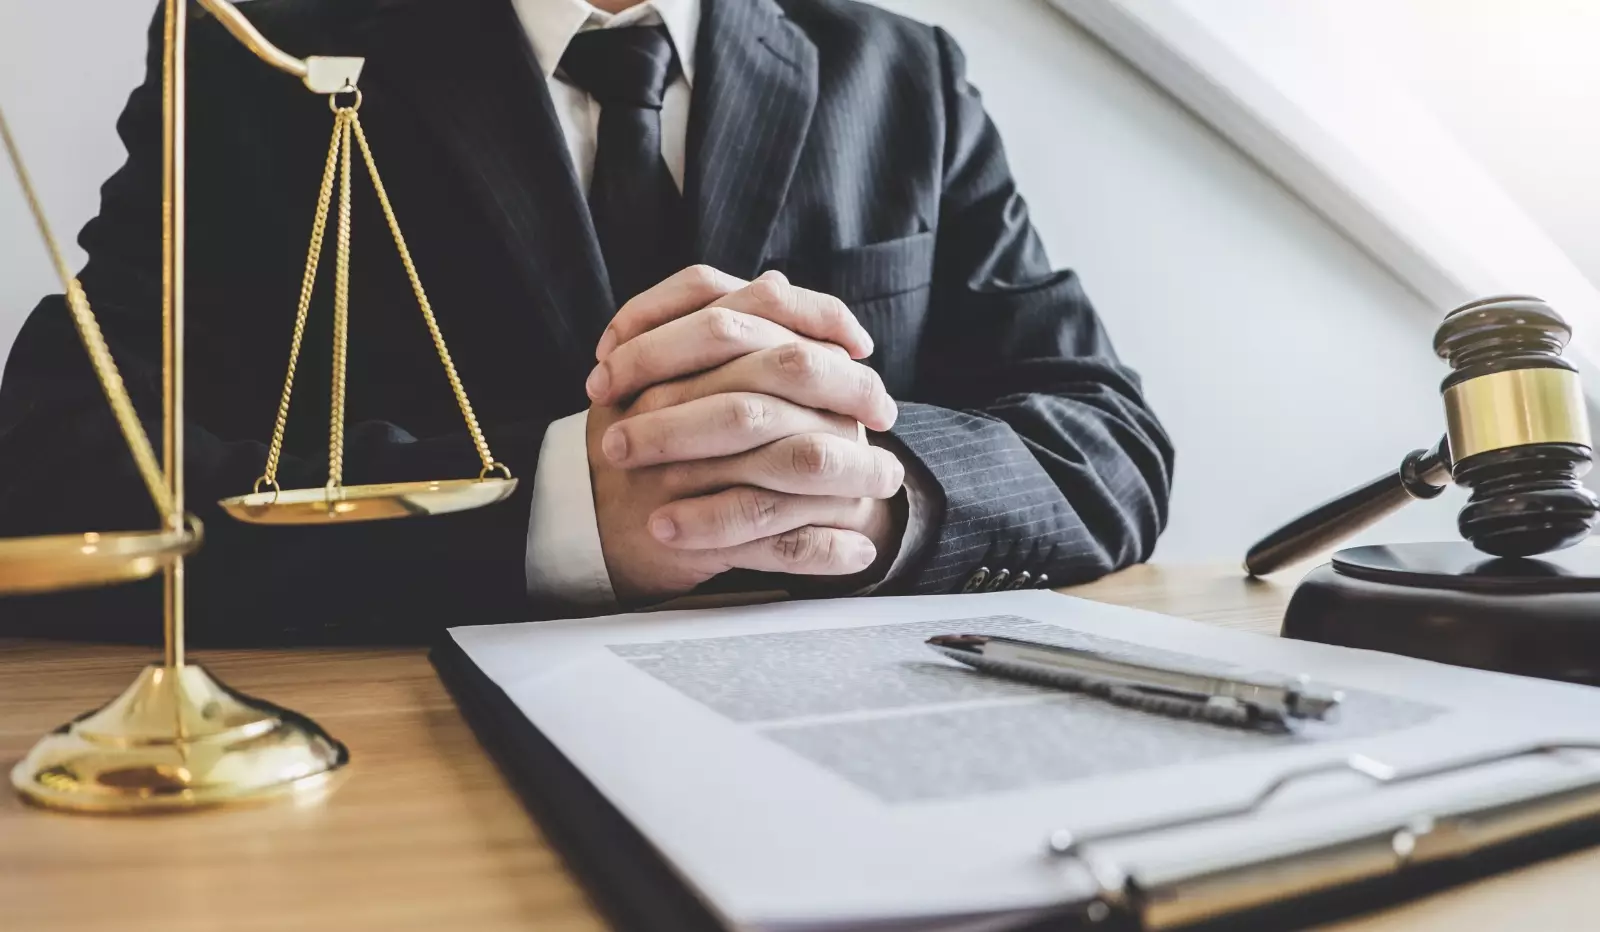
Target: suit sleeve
x: 1045, y: 454
x: 64, y: 467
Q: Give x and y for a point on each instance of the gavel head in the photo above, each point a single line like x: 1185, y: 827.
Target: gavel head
x: 1518, y: 431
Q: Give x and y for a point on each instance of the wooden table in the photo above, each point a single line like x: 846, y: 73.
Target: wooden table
x: 425, y: 834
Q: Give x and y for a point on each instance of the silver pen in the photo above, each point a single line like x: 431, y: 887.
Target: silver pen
x: 1171, y: 689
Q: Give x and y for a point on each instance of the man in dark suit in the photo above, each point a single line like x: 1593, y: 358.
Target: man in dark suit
x: 742, y: 291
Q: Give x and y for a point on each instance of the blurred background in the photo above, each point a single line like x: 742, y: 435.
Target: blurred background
x: 1288, y: 361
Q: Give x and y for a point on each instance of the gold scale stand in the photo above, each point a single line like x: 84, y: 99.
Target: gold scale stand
x: 178, y: 738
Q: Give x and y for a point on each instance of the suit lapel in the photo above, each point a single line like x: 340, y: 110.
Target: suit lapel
x: 466, y: 69
x: 755, y: 89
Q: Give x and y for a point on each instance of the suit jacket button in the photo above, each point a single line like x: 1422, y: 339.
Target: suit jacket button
x: 1021, y: 582
x: 976, y: 580
x: 998, y: 581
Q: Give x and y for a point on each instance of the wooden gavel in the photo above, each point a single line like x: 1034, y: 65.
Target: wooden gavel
x: 1518, y: 437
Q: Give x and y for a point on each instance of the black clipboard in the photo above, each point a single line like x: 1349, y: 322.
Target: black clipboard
x: 637, y: 889
x: 630, y: 882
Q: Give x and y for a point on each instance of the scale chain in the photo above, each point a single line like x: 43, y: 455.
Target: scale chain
x: 105, y: 366
x: 341, y: 314
x: 478, y: 439
x: 348, y: 133
x: 307, y: 284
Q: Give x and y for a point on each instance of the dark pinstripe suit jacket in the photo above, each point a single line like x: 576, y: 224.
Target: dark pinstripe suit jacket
x: 829, y: 139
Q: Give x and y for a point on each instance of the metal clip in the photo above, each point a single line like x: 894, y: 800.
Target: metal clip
x: 1420, y: 838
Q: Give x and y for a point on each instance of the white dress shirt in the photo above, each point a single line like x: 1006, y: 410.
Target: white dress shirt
x: 564, y: 558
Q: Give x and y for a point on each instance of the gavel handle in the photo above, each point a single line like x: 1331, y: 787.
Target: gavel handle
x: 1422, y: 474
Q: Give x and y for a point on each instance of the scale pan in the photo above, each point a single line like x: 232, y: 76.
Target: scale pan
x: 78, y: 561
x: 368, y: 502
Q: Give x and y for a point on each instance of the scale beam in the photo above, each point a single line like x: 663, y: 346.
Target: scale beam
x: 321, y: 74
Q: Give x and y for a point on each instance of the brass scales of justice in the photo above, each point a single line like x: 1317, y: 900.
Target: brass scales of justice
x: 178, y: 738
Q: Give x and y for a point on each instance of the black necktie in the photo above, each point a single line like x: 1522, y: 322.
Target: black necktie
x: 636, y: 207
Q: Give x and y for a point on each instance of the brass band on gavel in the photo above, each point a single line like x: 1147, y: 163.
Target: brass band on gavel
x: 1514, y: 408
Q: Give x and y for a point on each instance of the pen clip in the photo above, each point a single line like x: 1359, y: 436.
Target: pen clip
x: 1199, y: 706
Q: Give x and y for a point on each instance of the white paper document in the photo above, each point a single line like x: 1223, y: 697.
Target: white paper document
x: 814, y: 765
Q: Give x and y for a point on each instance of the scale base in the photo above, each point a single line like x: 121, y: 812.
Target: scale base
x: 178, y: 739
x: 1449, y: 602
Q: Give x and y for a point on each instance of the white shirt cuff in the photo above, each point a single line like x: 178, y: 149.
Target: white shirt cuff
x: 565, y: 561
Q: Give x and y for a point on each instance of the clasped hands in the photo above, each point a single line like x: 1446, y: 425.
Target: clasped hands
x: 728, y: 430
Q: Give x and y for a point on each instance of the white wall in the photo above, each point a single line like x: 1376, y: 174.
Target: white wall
x: 1519, y: 85
x: 1287, y: 364
x: 1516, y: 84
x: 66, y: 67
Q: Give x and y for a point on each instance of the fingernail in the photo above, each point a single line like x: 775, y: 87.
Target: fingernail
x: 614, y: 444
x: 773, y: 275
x: 662, y: 528
x: 890, y: 412
x: 866, y: 341
x: 608, y: 342
x: 865, y: 553
x: 599, y: 381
